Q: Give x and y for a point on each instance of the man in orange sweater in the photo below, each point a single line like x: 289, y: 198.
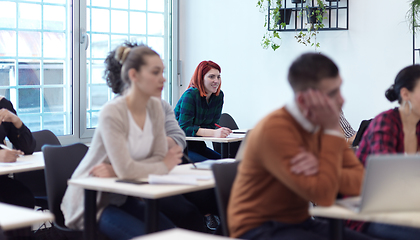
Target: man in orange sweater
x: 277, y: 179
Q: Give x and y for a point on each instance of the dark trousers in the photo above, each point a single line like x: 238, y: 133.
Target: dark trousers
x: 392, y: 232
x: 198, y: 151
x: 313, y: 229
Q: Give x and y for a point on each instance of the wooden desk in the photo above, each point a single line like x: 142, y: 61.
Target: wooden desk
x: 34, y: 162
x: 13, y: 217
x: 149, y: 192
x: 179, y: 233
x: 225, y: 142
x: 337, y: 213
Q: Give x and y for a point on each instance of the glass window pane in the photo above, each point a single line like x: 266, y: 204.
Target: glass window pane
x: 53, y: 73
x: 29, y: 44
x: 100, y: 20
x: 54, y: 45
x: 156, y: 5
x: 138, y: 5
x: 7, y: 15
x: 117, y: 40
x: 88, y: 19
x: 98, y: 95
x: 54, y: 17
x: 100, y: 3
x: 120, y: 3
x: 157, y: 44
x: 53, y: 100
x: 98, y: 68
x: 55, y: 1
x: 137, y: 23
x: 155, y: 23
x: 28, y: 73
x: 7, y: 74
x: 55, y: 122
x: 32, y: 121
x: 119, y: 21
x: 7, y: 43
x: 29, y: 16
x: 99, y: 45
x: 139, y: 39
x: 29, y: 100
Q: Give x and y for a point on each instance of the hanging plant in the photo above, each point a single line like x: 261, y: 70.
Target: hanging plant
x: 315, y: 15
x: 276, y: 21
x: 413, y: 15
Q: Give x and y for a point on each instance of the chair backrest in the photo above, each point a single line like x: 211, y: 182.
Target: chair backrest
x: 60, y: 163
x: 2, y: 236
x: 45, y: 137
x: 35, y: 180
x: 227, y: 121
x: 224, y: 175
x: 362, y: 128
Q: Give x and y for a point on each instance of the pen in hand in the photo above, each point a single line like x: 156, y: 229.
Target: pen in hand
x: 217, y: 125
x: 189, y: 160
x: 7, y: 148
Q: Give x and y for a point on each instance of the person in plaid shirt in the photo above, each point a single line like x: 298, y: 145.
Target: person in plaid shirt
x: 199, y: 110
x: 395, y: 131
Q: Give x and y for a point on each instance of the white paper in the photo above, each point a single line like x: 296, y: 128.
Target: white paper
x: 12, y: 164
x: 177, y: 179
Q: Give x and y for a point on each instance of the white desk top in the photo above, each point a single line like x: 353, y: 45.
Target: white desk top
x: 24, y: 164
x: 233, y: 137
x: 179, y: 233
x: 13, y: 217
x: 150, y: 191
x: 411, y: 219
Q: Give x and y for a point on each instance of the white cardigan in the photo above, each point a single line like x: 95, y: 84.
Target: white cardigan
x: 110, y: 145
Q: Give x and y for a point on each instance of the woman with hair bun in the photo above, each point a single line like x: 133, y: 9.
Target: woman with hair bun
x: 395, y: 131
x: 199, y: 110
x: 131, y: 137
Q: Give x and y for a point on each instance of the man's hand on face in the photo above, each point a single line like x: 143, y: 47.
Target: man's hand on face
x: 319, y: 109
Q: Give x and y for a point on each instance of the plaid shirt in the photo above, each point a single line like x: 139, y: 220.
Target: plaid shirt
x: 383, y: 135
x: 193, y: 112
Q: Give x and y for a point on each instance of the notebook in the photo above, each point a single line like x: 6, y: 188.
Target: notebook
x: 206, y: 165
x: 391, y: 183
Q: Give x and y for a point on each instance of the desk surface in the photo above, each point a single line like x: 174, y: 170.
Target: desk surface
x: 411, y: 219
x: 24, y: 164
x: 13, y: 217
x: 149, y: 191
x: 231, y: 138
x: 178, y: 233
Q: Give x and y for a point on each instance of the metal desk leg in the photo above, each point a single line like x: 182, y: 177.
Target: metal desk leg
x: 151, y: 215
x: 224, y: 148
x: 90, y: 215
x: 336, y: 229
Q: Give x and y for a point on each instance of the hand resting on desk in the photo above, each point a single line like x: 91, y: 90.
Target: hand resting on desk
x: 9, y: 155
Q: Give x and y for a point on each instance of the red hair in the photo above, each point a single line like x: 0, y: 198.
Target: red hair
x: 197, y: 80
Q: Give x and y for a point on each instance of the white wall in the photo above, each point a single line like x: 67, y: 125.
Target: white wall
x: 369, y: 55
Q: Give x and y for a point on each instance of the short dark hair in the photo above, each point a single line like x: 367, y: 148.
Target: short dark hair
x: 309, y: 69
x: 406, y: 78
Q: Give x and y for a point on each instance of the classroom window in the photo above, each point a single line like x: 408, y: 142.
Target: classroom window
x: 44, y: 68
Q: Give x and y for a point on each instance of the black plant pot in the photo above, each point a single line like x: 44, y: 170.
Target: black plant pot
x: 332, y: 0
x: 311, y: 14
x: 298, y: 1
x: 285, y: 17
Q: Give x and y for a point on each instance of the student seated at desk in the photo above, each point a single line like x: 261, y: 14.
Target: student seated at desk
x: 200, y: 108
x: 133, y: 119
x: 295, y: 155
x: 396, y: 130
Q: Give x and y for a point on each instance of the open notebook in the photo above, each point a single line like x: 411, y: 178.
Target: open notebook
x: 206, y: 165
x: 391, y: 183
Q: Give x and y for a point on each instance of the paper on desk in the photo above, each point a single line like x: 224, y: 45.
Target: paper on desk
x: 12, y: 164
x: 177, y: 179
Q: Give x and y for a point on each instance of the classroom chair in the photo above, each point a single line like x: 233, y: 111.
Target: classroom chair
x: 2, y: 237
x: 35, y: 180
x: 226, y: 120
x: 224, y: 175
x: 362, y: 128
x: 60, y: 163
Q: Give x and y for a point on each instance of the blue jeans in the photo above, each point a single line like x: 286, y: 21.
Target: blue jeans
x: 311, y: 229
x: 198, y: 152
x: 392, y: 232
x: 127, y: 221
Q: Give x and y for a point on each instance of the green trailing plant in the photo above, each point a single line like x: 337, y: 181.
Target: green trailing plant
x: 271, y: 36
x: 315, y: 22
x: 413, y: 15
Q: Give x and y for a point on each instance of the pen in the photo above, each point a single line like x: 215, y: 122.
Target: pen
x: 7, y: 148
x: 189, y: 160
x: 217, y: 125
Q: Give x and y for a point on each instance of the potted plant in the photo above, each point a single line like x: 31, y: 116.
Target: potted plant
x: 413, y: 15
x: 271, y: 37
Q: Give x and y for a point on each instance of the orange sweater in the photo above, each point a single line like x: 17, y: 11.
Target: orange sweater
x: 265, y: 189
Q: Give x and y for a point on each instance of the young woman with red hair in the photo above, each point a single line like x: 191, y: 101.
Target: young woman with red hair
x: 199, y: 109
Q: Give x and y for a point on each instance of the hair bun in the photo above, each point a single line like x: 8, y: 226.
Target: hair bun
x: 121, y: 54
x: 390, y: 94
